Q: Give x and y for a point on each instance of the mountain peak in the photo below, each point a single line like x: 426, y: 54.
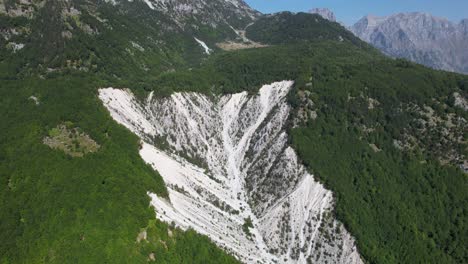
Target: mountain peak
x: 463, y: 26
x: 325, y: 13
x: 366, y: 25
x: 417, y: 36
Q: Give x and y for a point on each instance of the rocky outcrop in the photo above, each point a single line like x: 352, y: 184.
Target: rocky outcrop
x: 325, y: 13
x: 214, y: 13
x: 419, y: 37
x: 232, y: 176
x: 20, y: 8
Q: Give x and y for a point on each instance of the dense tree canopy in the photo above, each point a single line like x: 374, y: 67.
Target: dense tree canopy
x: 403, y: 204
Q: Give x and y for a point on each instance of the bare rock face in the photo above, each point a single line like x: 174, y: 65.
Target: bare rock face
x: 232, y: 176
x: 419, y: 37
x: 464, y: 27
x: 209, y: 12
x: 213, y: 11
x: 18, y: 8
x: 325, y: 13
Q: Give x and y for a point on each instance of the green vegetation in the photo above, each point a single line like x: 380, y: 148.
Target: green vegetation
x: 402, y: 204
x: 287, y: 28
x: 70, y: 140
x: 242, y: 70
x: 166, y: 244
x: 247, y: 225
x: 59, y: 209
x: 102, y: 40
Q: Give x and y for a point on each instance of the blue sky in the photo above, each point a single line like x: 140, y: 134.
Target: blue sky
x: 349, y: 11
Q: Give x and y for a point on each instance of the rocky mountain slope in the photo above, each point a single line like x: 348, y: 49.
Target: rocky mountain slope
x: 325, y: 13
x: 419, y: 37
x: 232, y: 176
x: 88, y: 35
x: 213, y: 13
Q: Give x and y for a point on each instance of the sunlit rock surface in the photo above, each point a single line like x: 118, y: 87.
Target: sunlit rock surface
x: 225, y: 161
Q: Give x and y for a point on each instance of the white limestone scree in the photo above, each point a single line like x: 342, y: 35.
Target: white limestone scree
x: 225, y: 161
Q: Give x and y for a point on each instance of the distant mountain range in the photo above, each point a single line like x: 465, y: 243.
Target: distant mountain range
x: 432, y: 41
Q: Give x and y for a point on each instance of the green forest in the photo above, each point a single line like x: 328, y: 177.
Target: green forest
x: 60, y: 209
x: 65, y: 207
x: 403, y: 205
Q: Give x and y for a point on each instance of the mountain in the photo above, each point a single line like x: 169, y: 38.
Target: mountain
x: 205, y: 132
x: 287, y: 27
x: 212, y: 13
x: 93, y: 35
x: 419, y: 37
x: 325, y: 13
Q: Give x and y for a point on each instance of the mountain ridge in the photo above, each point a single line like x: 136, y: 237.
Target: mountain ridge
x: 217, y: 11
x: 325, y: 13
x: 420, y: 37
